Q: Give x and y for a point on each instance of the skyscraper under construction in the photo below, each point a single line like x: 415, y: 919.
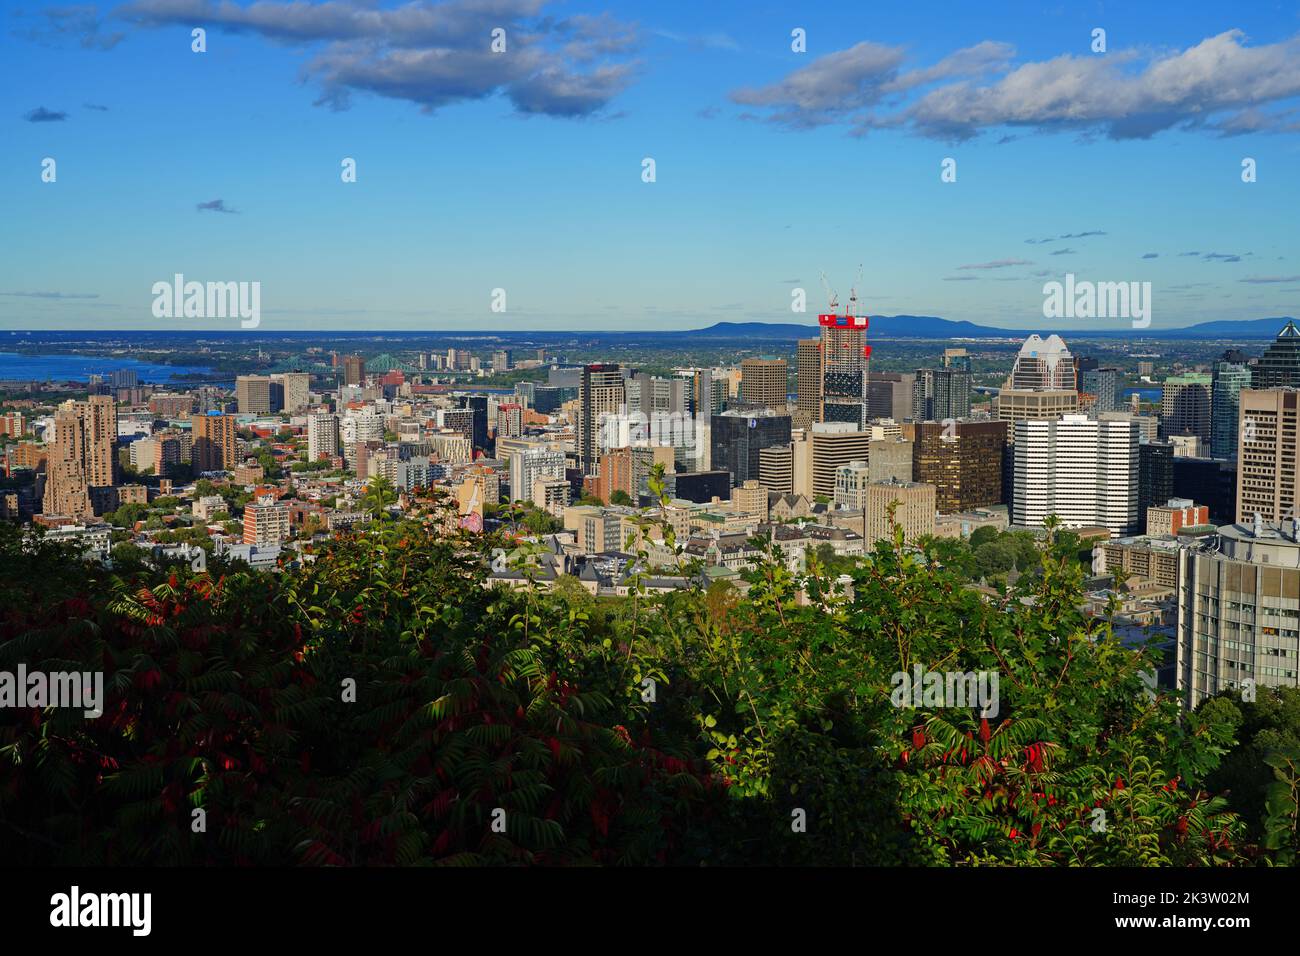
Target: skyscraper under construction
x: 845, y: 355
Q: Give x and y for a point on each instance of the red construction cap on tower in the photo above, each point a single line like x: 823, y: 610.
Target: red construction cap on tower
x: 843, y: 321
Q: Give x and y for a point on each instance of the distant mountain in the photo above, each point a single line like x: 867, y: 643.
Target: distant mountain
x: 932, y: 327
x: 1244, y: 329
x: 883, y: 326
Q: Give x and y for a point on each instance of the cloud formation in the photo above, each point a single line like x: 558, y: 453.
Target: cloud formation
x: 80, y: 22
x: 42, y: 115
x: 1221, y: 85
x: 997, y: 264
x: 431, y: 54
x: 53, y: 295
x: 216, y: 205
x: 834, y: 86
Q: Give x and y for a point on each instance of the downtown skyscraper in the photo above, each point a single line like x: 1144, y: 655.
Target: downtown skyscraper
x: 81, y: 456
x: 845, y: 357
x: 601, y: 392
x: 1082, y: 470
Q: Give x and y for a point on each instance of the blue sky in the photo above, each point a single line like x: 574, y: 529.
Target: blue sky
x: 523, y: 170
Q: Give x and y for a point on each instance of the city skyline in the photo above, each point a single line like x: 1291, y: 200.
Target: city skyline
x: 524, y: 173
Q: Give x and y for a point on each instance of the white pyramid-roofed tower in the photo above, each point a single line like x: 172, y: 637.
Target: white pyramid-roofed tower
x: 1043, y: 364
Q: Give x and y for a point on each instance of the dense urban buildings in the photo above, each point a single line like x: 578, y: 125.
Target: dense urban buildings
x: 1042, y: 385
x: 738, y: 436
x: 844, y: 363
x: 909, y: 504
x: 1239, y: 611
x: 1279, y: 366
x: 939, y: 394
x: 764, y: 383
x: 601, y: 392
x: 80, y: 456
x: 962, y: 460
x: 808, y: 382
x: 215, y: 445
x: 828, y: 446
x: 253, y: 392
x: 1268, y: 454
x: 1083, y: 471
x: 1185, y: 406
x: 354, y: 370
x: 1102, y: 384
x: 1230, y: 375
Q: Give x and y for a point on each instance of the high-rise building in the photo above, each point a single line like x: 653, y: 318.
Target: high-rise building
x: 266, y: 522
x: 1185, y: 406
x: 601, y: 392
x: 851, y: 483
x: 81, y: 455
x: 1043, y: 365
x: 1148, y: 425
x: 551, y: 495
x: 531, y: 466
x: 1268, y: 453
x: 1209, y: 481
x: 502, y: 360
x: 166, y: 405
x: 808, y: 382
x: 645, y: 458
x: 776, y: 469
x: 963, y: 460
x: 1279, y: 366
x: 478, y: 406
x: 889, y: 395
x: 1027, y: 405
x: 613, y: 474
x: 1083, y: 471
x: 737, y: 437
x: 1237, y: 617
x: 510, y: 420
x: 1155, y: 474
x: 750, y: 499
x: 322, y: 437
x: 912, y: 504
x: 1042, y: 385
x: 830, y: 445
x: 295, y: 390
x: 253, y: 392
x: 460, y: 420
x: 702, y: 487
x: 215, y: 444
x: 651, y: 395
x: 845, y: 361
x: 548, y: 399
x: 354, y: 370
x: 956, y: 358
x: 940, y: 394
x: 1228, y: 379
x: 707, y: 391
x: 1102, y: 384
x: 890, y: 459
x: 764, y: 383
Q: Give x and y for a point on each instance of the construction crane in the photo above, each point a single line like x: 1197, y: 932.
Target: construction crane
x: 853, y: 294
x: 830, y: 294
